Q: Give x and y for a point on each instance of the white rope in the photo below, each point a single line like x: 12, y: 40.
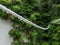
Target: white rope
x: 21, y: 18
x: 55, y: 20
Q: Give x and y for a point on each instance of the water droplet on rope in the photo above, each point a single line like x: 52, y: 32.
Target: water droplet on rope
x: 21, y: 19
x: 7, y: 12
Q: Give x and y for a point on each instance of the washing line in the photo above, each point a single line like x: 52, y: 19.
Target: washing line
x: 55, y: 21
x: 4, y: 8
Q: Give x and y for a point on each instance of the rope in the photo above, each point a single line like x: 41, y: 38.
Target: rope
x: 55, y: 20
x: 21, y: 18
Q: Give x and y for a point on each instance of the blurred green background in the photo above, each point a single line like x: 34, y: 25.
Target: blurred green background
x: 41, y: 12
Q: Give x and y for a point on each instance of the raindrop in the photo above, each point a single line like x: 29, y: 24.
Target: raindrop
x: 7, y: 12
x: 15, y: 15
x: 21, y: 19
x: 26, y: 40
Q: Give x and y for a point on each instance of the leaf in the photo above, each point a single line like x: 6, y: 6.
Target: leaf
x: 33, y: 33
x: 55, y: 43
x: 9, y: 1
x: 12, y: 33
x: 55, y: 36
x: 45, y: 43
x: 11, y: 17
x: 28, y: 25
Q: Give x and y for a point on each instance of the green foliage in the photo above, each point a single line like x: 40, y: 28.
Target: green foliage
x: 55, y: 43
x: 12, y: 32
x: 40, y: 12
x: 45, y: 43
